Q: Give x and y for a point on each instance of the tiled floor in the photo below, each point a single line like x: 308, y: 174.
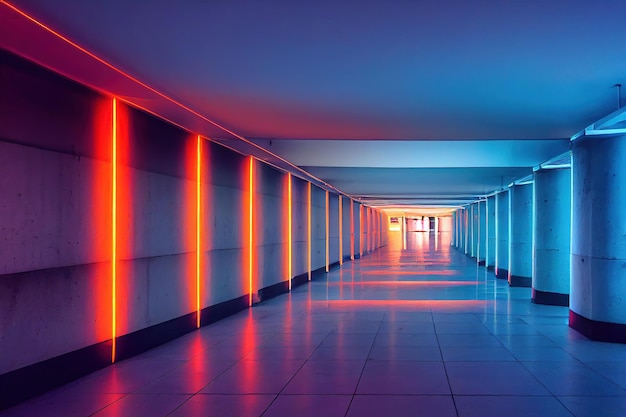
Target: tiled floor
x: 420, y: 331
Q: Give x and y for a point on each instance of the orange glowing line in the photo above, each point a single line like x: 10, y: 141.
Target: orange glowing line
x: 250, y: 231
x: 360, y: 231
x: 408, y: 283
x: 351, y: 229
x: 289, y: 259
x: 162, y: 95
x: 309, y: 244
x: 340, y: 232
x: 327, y: 231
x: 114, y: 232
x: 198, y: 225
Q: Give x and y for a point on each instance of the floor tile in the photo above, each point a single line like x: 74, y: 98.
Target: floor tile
x: 401, y: 406
x: 405, y: 353
x: 512, y: 406
x: 572, y: 378
x: 309, y: 406
x: 585, y: 406
x: 153, y: 405
x: 326, y: 377
x: 254, y: 377
x: 470, y: 354
x: 492, y: 378
x: 409, y: 378
x: 202, y: 405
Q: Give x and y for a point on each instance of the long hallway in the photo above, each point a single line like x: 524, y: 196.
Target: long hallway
x: 413, y: 329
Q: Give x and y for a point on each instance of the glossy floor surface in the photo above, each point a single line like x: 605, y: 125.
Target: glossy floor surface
x: 414, y: 329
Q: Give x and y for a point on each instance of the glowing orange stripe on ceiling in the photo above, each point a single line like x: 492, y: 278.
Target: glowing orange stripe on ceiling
x: 289, y: 243
x: 114, y: 231
x: 327, y: 232
x: 198, y: 226
x: 251, y: 230
x: 340, y: 231
x: 309, y: 243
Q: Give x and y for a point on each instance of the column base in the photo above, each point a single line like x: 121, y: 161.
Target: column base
x: 517, y: 281
x: 600, y: 331
x: 550, y: 298
x: 502, y: 274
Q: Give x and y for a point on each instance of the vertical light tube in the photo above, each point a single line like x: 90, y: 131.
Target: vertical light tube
x: 114, y: 232
x: 327, y: 231
x: 309, y: 243
x: 289, y: 248
x: 251, y: 230
x: 198, y: 225
x: 497, y: 225
x: 351, y: 230
x: 360, y: 231
x: 510, y: 229
x: 340, y: 231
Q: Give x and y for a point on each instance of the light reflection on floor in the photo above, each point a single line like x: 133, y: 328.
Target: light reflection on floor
x: 414, y: 329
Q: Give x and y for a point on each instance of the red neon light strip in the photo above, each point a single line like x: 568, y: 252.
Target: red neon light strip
x: 251, y: 231
x: 114, y: 232
x: 289, y: 257
x: 327, y: 232
x: 198, y: 226
x: 309, y: 243
x: 352, y: 229
x: 340, y: 231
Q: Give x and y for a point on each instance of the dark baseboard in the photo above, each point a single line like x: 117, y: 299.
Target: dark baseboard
x: 224, y: 309
x: 318, y: 273
x: 145, y: 339
x: 333, y: 266
x: 550, y: 298
x: 502, y: 274
x: 491, y: 268
x: 273, y: 290
x: 518, y: 281
x: 299, y: 280
x: 481, y: 262
x: 27, y: 382
x: 600, y: 331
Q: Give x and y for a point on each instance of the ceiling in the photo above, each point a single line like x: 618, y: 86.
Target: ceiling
x: 410, y: 102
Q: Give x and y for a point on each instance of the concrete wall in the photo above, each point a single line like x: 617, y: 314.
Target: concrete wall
x: 56, y: 217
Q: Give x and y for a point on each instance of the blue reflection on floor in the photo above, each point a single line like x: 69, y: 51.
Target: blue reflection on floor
x: 414, y: 329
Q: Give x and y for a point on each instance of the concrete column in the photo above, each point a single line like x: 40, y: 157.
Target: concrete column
x: 453, y: 230
x: 598, y: 260
x: 490, y: 211
x: 521, y: 232
x: 502, y: 234
x: 482, y: 232
x: 551, y: 254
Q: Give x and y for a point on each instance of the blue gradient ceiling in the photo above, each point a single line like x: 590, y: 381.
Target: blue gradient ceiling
x: 514, y: 79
